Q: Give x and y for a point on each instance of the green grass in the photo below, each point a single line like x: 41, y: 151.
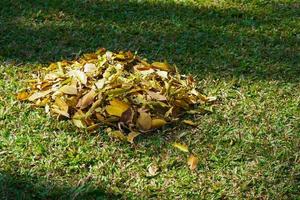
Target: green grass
x: 245, y: 52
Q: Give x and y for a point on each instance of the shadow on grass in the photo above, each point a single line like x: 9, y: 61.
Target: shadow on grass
x: 223, y: 42
x: 22, y: 187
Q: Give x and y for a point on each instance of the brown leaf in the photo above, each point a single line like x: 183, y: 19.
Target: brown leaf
x: 87, y: 99
x: 192, y: 162
x: 127, y: 116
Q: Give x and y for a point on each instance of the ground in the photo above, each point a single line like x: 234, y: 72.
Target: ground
x: 244, y: 52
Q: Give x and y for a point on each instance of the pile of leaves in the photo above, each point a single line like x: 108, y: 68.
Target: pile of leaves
x: 118, y: 90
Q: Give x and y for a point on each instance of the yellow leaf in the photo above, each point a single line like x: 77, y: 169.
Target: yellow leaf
x: 78, y: 119
x: 192, y: 162
x: 22, y: 96
x: 60, y: 107
x: 61, y: 104
x: 181, y: 147
x: 161, y: 66
x: 144, y: 121
x: 39, y: 95
x: 189, y: 122
x: 61, y: 112
x: 157, y: 123
x: 116, y: 108
x: 118, y: 135
x: 69, y: 89
x: 131, y: 136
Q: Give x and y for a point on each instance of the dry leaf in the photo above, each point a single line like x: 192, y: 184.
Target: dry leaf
x: 22, y: 96
x: 116, y: 108
x: 69, y: 89
x: 153, y: 170
x: 189, y: 122
x: 161, y: 66
x: 144, y: 121
x: 86, y: 100
x: 39, y: 95
x: 132, y: 135
x: 192, y: 162
x: 157, y: 123
x: 181, y: 147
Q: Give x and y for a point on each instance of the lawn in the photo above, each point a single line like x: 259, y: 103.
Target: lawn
x: 244, y: 52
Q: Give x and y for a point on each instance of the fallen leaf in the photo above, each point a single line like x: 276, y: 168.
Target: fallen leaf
x: 69, y: 89
x: 38, y: 95
x: 189, y: 122
x: 22, y: 96
x: 87, y: 99
x: 144, y: 121
x: 116, y: 108
x: 161, y: 66
x: 181, y: 147
x: 89, y: 67
x: 132, y: 135
x: 118, y: 135
x: 153, y: 170
x: 157, y: 123
x: 192, y: 162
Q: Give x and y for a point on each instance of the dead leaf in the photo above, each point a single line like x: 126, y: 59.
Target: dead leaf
x: 69, y: 89
x: 144, y: 121
x: 192, y: 162
x: 21, y: 96
x: 189, y: 122
x: 132, y: 135
x: 116, y: 108
x: 181, y: 147
x: 161, y: 66
x: 153, y: 170
x: 157, y: 123
x: 39, y: 95
x: 87, y: 99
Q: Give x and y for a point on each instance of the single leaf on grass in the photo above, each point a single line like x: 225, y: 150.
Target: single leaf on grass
x: 116, y: 108
x: 144, y: 121
x: 132, y: 135
x: 189, y: 122
x: 22, y: 96
x: 181, y: 147
x: 69, y: 89
x: 153, y: 170
x: 192, y: 162
x: 118, y: 135
x: 157, y: 123
x: 38, y: 95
